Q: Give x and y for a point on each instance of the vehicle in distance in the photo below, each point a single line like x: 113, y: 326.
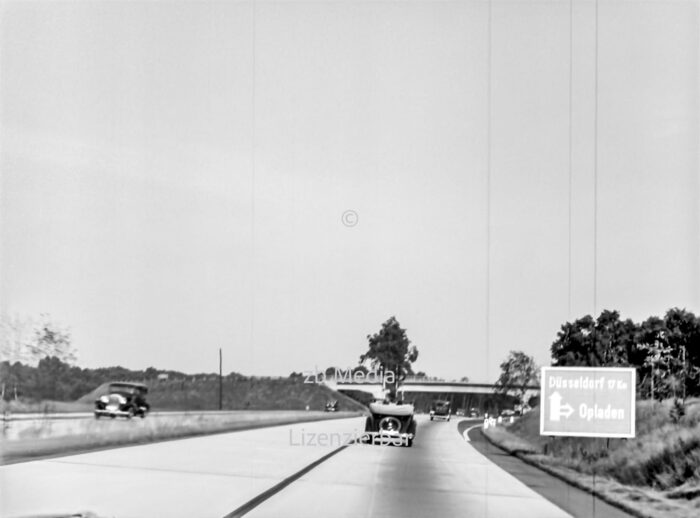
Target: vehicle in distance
x: 332, y: 406
x: 123, y: 399
x: 440, y: 409
x: 474, y: 413
x: 390, y: 424
x: 509, y: 414
x: 460, y: 412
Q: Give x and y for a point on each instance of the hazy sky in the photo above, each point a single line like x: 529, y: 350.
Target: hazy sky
x: 174, y: 175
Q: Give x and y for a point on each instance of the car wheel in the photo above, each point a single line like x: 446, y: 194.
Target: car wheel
x: 97, y: 416
x: 369, y: 429
x: 113, y: 416
x: 431, y: 418
x: 412, y: 430
x: 389, y: 424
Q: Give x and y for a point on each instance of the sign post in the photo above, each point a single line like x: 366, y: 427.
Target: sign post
x: 588, y: 401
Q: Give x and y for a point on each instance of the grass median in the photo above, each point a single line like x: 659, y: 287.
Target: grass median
x: 90, y: 434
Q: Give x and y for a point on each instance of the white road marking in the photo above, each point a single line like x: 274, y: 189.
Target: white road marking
x: 465, y: 434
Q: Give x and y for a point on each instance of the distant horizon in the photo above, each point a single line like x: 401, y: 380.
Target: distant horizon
x: 416, y: 367
x: 321, y: 369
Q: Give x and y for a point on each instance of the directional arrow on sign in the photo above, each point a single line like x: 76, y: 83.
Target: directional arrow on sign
x: 566, y: 410
x: 555, y: 406
x: 556, y: 409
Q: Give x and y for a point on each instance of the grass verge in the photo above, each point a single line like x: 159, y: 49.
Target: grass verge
x: 653, y: 476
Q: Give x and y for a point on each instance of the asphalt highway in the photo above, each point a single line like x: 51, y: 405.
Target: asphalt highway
x: 199, y: 477
x: 275, y: 472
x: 442, y: 475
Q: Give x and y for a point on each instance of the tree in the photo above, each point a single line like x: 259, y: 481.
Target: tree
x: 518, y: 372
x: 665, y: 351
x: 390, y: 351
x: 607, y: 341
x: 51, y: 375
x: 683, y: 360
x: 54, y: 341
x: 28, y: 340
x: 614, y: 343
x: 670, y: 367
x: 574, y: 343
x: 15, y: 336
x: 651, y: 338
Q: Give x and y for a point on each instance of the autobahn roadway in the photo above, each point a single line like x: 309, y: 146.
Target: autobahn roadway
x: 275, y: 472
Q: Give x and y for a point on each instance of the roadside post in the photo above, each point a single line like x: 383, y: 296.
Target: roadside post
x: 588, y: 401
x: 221, y: 381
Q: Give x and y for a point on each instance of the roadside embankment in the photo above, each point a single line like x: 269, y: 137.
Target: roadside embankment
x: 26, y: 439
x: 656, y: 474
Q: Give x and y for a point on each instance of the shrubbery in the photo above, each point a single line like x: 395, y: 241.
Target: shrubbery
x: 55, y: 380
x: 663, y: 455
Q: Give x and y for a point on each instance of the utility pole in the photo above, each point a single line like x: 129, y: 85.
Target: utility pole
x: 221, y: 381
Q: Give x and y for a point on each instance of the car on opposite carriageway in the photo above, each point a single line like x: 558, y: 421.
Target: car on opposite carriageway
x: 123, y: 399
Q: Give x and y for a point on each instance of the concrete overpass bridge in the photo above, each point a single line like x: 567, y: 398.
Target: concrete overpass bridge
x: 462, y: 394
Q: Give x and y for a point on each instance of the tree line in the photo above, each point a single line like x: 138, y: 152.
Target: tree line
x: 57, y: 380
x: 664, y: 350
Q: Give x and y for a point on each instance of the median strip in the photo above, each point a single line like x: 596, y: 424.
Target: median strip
x: 107, y: 434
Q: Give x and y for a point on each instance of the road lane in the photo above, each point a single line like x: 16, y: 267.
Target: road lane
x: 198, y: 477
x: 441, y: 475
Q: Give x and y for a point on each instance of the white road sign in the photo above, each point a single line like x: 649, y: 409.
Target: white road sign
x: 588, y: 401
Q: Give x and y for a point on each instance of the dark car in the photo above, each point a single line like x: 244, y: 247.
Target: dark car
x: 440, y: 409
x: 123, y: 399
x: 390, y: 424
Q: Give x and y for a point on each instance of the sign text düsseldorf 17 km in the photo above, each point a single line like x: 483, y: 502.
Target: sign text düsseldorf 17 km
x: 587, y: 401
